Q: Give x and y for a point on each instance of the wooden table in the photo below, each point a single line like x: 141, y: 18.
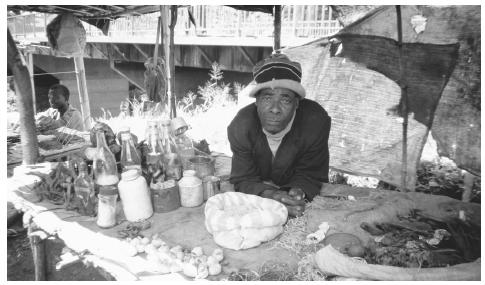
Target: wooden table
x: 106, y: 251
x: 50, y: 146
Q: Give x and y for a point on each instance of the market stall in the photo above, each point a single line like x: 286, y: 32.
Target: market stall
x: 127, y: 208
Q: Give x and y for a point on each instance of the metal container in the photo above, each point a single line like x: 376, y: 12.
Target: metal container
x: 165, y: 196
x: 211, y: 186
x: 203, y: 165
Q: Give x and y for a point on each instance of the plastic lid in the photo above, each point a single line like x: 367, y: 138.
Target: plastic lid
x: 165, y: 123
x: 130, y: 174
x: 124, y: 129
x: 125, y: 136
x: 189, y: 172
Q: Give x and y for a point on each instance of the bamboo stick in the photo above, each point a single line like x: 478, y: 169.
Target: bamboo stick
x: 23, y: 91
x: 404, y: 111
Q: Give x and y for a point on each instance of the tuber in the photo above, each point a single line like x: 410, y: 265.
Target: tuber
x: 215, y: 269
x: 218, y: 254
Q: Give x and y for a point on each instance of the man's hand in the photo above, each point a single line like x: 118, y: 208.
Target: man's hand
x: 295, y: 206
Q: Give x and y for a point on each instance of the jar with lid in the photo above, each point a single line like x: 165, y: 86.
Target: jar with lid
x: 135, y: 196
x: 191, y: 191
x: 107, y: 207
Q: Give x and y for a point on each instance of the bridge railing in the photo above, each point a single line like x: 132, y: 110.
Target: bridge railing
x: 298, y: 22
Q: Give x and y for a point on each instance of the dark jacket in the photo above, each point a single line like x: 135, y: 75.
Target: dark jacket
x: 302, y: 157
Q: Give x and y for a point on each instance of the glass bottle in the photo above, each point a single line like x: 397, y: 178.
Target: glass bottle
x: 185, y: 145
x: 130, y: 159
x: 84, y: 189
x: 154, y: 155
x: 171, y: 160
x: 104, y: 164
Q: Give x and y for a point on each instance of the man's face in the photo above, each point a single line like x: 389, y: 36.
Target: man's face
x: 276, y: 108
x: 56, y: 99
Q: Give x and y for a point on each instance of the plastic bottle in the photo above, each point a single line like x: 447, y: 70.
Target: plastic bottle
x: 130, y: 158
x: 191, y: 191
x: 135, y: 196
x: 84, y: 189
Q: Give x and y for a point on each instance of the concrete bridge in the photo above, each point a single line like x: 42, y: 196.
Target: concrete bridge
x: 114, y: 62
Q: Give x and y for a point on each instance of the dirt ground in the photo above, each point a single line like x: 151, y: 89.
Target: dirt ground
x: 20, y: 266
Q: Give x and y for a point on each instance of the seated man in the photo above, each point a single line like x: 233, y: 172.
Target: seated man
x: 61, y: 113
x: 280, y: 143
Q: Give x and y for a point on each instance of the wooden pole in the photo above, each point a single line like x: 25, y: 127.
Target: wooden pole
x: 277, y: 29
x: 404, y: 110
x: 23, y: 91
x: 37, y: 244
x: 83, y: 91
x: 30, y: 60
x: 168, y: 44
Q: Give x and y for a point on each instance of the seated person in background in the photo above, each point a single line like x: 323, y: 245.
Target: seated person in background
x: 61, y: 113
x: 280, y: 143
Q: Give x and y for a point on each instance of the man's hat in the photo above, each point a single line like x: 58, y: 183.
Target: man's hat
x: 277, y: 71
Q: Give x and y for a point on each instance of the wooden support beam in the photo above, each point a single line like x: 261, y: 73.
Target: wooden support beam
x: 205, y: 55
x: 115, y: 69
x: 93, y: 45
x: 277, y: 28
x: 169, y: 12
x: 83, y: 91
x: 37, y: 244
x: 99, y: 9
x: 30, y: 60
x: 23, y: 92
x: 138, y: 48
x: 74, y: 11
x: 115, y: 47
x: 246, y: 55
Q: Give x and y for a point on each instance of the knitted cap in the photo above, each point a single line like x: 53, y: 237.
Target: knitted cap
x: 277, y: 71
